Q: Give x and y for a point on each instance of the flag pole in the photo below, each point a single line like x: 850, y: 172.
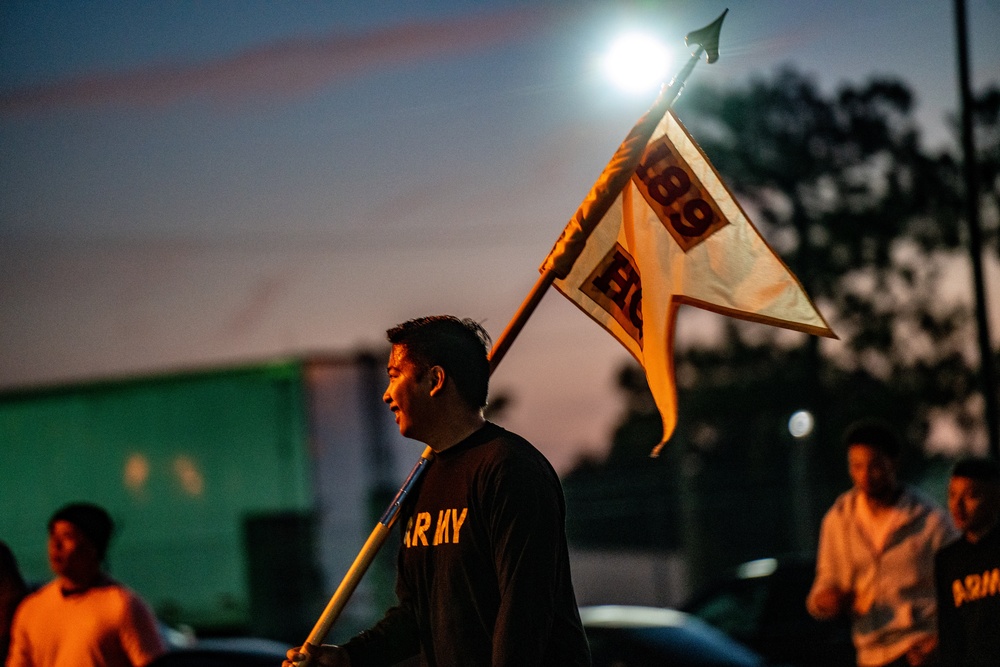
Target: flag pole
x: 609, y: 185
x: 364, y: 558
x: 557, y: 265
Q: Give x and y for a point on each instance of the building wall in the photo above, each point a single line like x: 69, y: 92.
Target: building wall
x: 180, y: 461
x: 358, y: 461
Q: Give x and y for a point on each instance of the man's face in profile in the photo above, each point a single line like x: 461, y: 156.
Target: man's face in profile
x: 408, y: 393
x: 972, y: 503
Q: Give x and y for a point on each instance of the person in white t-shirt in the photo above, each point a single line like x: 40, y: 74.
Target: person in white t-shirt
x: 876, y: 556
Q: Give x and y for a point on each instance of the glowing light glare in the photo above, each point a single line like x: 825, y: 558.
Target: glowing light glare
x: 763, y: 567
x: 189, y: 476
x: 136, y: 472
x: 637, y: 62
x: 801, y: 424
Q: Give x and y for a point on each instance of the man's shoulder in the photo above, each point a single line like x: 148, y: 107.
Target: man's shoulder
x: 39, y: 601
x: 844, y: 504
x: 507, y: 443
x: 37, y: 594
x: 988, y: 546
x: 46, y: 590
x: 506, y: 448
x: 991, y: 540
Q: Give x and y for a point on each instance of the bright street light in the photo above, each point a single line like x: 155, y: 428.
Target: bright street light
x: 637, y: 62
x: 800, y: 424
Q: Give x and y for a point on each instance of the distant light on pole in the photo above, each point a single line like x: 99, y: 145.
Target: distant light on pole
x: 637, y: 62
x: 800, y: 424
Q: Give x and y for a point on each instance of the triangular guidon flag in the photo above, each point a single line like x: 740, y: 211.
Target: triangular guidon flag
x: 674, y: 236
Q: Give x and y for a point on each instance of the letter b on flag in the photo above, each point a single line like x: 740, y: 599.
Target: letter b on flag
x: 614, y: 285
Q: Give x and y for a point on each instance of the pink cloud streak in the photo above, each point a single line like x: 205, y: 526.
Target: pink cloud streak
x: 288, y: 67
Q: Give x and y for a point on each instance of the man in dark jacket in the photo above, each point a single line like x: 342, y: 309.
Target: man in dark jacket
x: 483, y: 575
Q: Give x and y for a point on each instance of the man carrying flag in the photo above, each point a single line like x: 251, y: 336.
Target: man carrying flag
x: 483, y: 574
x: 658, y: 229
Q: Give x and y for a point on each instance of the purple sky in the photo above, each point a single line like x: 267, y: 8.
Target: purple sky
x: 192, y: 184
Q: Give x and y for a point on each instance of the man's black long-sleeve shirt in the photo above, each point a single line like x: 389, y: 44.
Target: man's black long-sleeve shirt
x: 483, y: 569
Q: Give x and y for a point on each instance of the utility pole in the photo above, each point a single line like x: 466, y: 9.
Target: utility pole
x: 987, y: 376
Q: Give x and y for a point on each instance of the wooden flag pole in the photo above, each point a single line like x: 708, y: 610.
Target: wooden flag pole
x: 612, y: 181
x: 365, y: 557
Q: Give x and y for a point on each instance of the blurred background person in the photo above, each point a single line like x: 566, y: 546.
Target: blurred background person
x: 967, y: 571
x: 82, y: 618
x: 876, y: 556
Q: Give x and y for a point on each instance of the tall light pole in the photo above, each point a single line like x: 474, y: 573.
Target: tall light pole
x: 987, y: 377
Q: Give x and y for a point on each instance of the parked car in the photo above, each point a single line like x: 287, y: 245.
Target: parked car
x: 620, y: 636
x: 220, y: 655
x: 762, y: 605
x: 633, y: 636
x: 186, y: 650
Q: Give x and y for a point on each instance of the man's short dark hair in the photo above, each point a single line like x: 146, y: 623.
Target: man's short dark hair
x: 875, y: 434
x: 977, y: 468
x: 91, y: 520
x: 459, y: 346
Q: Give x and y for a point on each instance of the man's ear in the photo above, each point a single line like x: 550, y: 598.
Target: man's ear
x: 438, y: 378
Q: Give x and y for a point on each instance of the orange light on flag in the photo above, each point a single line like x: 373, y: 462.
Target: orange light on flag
x: 675, y: 235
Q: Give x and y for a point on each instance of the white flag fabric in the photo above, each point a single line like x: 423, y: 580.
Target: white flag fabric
x: 675, y: 235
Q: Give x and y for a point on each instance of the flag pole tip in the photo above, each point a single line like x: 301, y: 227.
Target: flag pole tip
x: 708, y: 37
